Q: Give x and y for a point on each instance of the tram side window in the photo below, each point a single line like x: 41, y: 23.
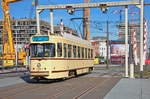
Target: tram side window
x: 46, y: 51
x: 91, y: 53
x: 82, y: 52
x: 65, y: 50
x: 88, y: 53
x: 33, y: 50
x: 78, y: 51
x: 74, y: 51
x: 51, y: 48
x: 69, y: 50
x: 59, y: 49
x: 43, y: 50
x: 85, y: 52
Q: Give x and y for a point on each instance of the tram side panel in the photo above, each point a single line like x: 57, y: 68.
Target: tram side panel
x: 50, y: 69
x: 80, y: 66
x: 59, y: 69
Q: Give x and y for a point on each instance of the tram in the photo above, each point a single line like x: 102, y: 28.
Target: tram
x: 57, y: 56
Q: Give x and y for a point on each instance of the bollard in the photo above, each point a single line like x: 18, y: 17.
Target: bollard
x: 131, y: 70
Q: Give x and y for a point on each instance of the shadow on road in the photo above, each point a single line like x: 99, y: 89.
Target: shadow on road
x: 27, y: 79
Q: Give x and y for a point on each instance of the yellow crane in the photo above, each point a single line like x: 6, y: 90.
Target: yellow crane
x: 8, y: 55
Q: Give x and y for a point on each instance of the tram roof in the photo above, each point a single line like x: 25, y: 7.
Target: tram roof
x: 76, y: 39
x: 69, y: 37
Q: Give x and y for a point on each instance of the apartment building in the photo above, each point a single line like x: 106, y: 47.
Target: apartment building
x: 23, y: 29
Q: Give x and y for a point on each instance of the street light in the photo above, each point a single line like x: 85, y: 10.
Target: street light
x: 103, y: 8
x: 70, y: 10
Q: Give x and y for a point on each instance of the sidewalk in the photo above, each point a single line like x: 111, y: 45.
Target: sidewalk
x: 10, y: 81
x: 130, y: 89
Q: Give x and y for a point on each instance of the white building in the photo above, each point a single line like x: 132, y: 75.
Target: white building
x: 100, y: 46
x: 103, y: 49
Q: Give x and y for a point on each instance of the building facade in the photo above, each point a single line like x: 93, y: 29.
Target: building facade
x: 132, y: 27
x: 100, y: 46
x: 117, y: 52
x: 23, y: 29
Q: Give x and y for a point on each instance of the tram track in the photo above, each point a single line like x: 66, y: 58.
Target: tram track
x: 12, y: 87
x: 75, y: 88
x: 28, y: 89
x: 68, y: 88
x: 33, y: 87
x: 79, y: 89
x: 24, y: 89
x: 91, y: 89
x: 18, y: 90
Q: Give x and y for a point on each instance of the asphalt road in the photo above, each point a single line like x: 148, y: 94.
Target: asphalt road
x: 90, y: 86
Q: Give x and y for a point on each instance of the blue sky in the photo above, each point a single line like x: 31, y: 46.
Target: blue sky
x: 24, y: 9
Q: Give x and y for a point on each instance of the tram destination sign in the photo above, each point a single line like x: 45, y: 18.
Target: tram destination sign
x: 40, y: 38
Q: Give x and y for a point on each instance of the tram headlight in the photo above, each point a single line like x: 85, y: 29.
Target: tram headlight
x: 38, y: 65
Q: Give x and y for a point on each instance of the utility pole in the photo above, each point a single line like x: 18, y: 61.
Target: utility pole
x: 86, y: 21
x: 51, y: 21
x: 141, y: 37
x: 126, y: 42
x: 37, y: 17
x: 35, y: 3
x: 107, y: 66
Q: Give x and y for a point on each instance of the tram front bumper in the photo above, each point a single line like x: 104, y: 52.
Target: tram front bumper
x: 39, y: 73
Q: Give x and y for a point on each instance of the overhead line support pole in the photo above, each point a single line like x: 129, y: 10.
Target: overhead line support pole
x: 141, y: 37
x: 89, y: 5
x: 51, y: 21
x: 38, y: 21
x: 86, y: 21
x: 126, y: 42
x: 107, y: 65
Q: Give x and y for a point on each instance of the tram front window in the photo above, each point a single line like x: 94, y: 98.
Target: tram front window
x: 43, y: 50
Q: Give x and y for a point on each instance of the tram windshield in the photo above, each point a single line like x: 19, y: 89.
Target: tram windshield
x: 43, y: 50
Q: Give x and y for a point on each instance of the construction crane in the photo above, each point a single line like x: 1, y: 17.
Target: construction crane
x: 9, y: 54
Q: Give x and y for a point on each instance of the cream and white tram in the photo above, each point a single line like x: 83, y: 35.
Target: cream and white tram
x: 56, y: 56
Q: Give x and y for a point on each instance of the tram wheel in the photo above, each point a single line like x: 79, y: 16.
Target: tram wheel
x: 72, y: 73
x: 37, y: 79
x: 90, y: 69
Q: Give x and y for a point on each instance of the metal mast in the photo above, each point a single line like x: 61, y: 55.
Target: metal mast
x: 141, y: 36
x: 86, y: 21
